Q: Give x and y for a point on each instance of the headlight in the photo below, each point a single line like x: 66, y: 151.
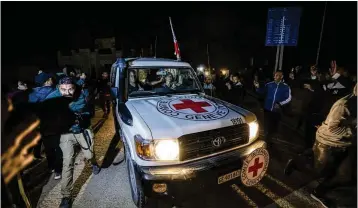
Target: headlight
x: 165, y: 150
x: 254, y: 128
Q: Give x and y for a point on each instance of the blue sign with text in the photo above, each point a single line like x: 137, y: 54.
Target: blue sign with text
x: 282, y: 26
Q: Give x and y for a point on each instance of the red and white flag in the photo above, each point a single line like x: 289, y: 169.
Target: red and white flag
x: 176, y: 45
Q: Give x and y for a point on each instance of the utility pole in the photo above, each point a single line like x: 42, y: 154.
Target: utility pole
x: 155, y: 47
x: 320, y: 37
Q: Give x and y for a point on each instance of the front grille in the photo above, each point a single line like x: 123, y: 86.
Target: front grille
x: 200, y: 144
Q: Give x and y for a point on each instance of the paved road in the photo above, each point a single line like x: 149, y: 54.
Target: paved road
x: 111, y: 187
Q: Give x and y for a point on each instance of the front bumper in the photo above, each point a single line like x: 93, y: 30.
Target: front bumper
x: 189, y: 178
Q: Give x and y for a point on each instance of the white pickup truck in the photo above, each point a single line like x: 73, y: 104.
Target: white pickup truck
x: 177, y: 139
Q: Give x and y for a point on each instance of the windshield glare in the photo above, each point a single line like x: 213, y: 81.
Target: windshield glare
x: 160, y: 80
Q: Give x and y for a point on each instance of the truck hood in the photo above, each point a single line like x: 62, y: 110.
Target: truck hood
x: 177, y: 115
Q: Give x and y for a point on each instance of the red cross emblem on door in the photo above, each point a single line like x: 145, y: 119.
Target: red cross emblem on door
x: 255, y: 167
x: 197, y: 107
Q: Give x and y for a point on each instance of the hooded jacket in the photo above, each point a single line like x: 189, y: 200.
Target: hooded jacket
x: 39, y: 94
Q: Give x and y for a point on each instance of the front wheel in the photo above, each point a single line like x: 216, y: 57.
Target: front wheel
x: 137, y: 191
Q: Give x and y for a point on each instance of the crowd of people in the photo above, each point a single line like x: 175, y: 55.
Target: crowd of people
x: 329, y: 113
x: 64, y: 103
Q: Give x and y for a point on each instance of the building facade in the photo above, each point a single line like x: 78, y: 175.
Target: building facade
x: 91, y: 62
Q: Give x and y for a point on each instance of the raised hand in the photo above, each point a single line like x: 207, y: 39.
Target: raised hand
x: 333, y: 69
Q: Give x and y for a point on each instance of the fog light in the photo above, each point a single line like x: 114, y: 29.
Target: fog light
x: 160, y: 187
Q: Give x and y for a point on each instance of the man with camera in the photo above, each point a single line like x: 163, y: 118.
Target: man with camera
x: 73, y: 121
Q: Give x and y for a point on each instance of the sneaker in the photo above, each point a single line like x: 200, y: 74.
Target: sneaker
x: 57, y: 176
x: 119, y: 157
x: 95, y: 169
x: 289, y: 168
x: 66, y: 202
x: 319, y: 198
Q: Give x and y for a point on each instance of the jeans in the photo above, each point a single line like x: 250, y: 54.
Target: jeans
x: 67, y: 144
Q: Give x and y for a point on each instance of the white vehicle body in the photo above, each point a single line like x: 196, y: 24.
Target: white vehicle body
x: 184, y: 119
x: 151, y: 124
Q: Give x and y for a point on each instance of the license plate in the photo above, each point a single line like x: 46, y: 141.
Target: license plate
x: 229, y: 176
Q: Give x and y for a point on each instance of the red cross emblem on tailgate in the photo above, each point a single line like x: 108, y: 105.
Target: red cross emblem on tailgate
x: 257, y: 166
x: 197, y: 107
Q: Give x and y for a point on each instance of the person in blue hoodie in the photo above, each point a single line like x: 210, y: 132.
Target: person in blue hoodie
x: 37, y: 95
x: 49, y: 138
x: 82, y: 82
x: 277, y: 94
x: 74, y: 127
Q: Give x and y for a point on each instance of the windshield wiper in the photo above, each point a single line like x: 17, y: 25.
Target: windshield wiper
x: 186, y: 91
x: 141, y: 93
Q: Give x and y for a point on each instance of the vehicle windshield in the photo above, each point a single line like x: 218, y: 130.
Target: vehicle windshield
x: 161, y: 81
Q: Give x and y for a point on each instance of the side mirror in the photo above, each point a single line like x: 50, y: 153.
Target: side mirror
x: 115, y: 92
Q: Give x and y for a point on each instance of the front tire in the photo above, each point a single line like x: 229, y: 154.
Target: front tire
x: 137, y: 190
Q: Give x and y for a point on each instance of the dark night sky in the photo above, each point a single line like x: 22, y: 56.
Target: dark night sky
x: 235, y: 30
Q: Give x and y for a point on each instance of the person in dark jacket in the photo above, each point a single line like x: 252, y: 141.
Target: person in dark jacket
x: 77, y: 132
x: 340, y: 85
x: 104, y: 93
x: 87, y: 89
x: 313, y: 114
x: 236, y: 90
x: 20, y: 95
x: 277, y: 95
x: 50, y: 141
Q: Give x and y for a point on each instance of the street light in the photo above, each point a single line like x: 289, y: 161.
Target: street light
x: 224, y: 71
x: 201, y: 68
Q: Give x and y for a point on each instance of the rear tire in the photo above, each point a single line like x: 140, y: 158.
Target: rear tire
x: 137, y: 190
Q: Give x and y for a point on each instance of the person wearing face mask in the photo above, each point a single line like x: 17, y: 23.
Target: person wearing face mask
x: 72, y: 115
x: 277, y: 95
